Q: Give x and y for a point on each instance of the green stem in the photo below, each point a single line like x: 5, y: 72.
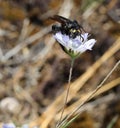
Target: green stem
x: 67, y: 92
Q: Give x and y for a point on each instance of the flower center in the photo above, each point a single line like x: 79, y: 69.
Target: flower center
x: 75, y: 44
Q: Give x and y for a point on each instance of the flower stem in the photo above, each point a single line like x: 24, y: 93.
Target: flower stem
x: 67, y: 92
x: 88, y: 98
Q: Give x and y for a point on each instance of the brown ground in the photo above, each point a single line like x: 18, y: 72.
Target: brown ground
x: 34, y: 70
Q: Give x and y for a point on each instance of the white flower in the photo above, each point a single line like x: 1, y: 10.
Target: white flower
x: 77, y: 45
x: 9, y: 125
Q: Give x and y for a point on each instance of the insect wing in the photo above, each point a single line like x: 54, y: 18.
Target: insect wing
x: 60, y: 19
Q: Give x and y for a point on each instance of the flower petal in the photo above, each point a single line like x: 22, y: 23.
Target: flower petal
x: 81, y: 49
x: 65, y: 38
x: 85, y: 36
x: 9, y: 125
x: 86, y: 46
x: 76, y: 43
x: 89, y: 44
x: 59, y: 37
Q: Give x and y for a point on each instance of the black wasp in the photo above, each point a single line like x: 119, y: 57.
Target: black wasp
x: 68, y: 27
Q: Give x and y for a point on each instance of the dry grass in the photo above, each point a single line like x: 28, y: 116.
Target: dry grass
x: 34, y: 70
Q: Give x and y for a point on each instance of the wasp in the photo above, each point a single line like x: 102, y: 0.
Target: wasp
x: 68, y: 27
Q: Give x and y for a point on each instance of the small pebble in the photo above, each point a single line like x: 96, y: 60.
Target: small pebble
x: 10, y: 104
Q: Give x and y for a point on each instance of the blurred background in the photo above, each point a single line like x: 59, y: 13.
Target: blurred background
x: 34, y: 70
